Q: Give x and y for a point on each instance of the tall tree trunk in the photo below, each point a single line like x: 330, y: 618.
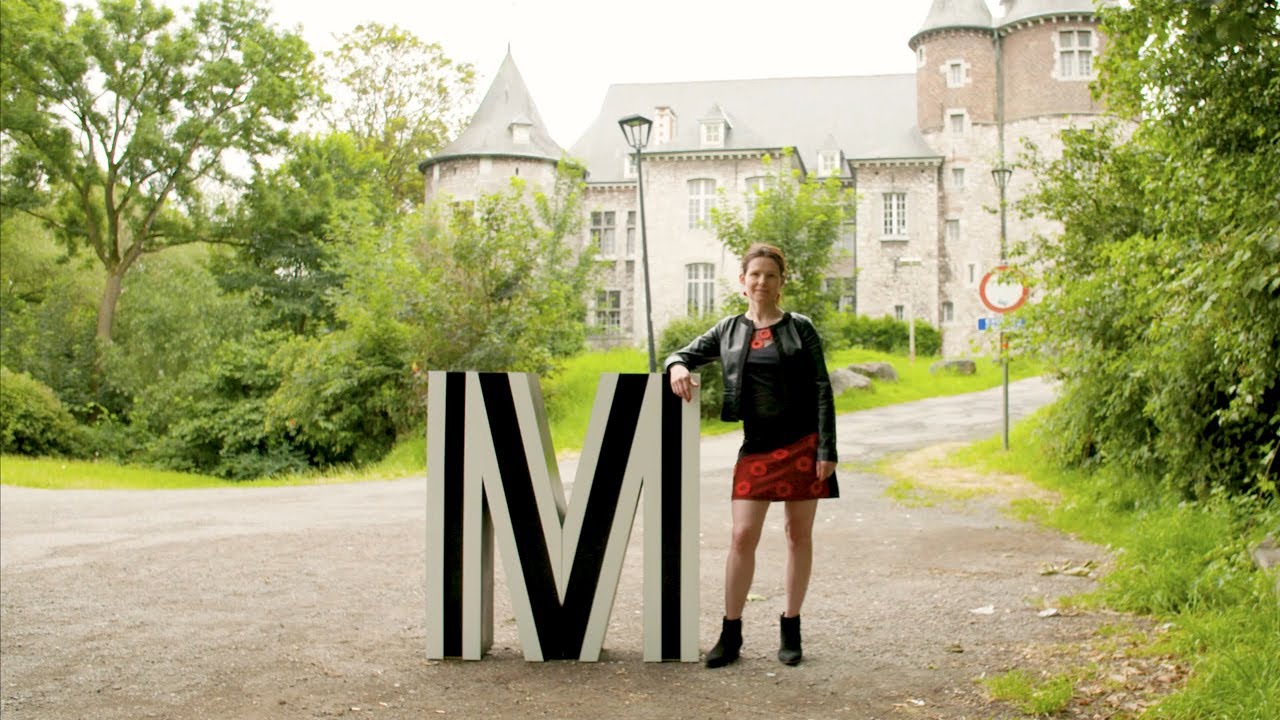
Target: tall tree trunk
x: 106, y: 323
x: 107, y: 308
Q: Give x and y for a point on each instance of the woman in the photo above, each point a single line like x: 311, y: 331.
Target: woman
x: 775, y: 381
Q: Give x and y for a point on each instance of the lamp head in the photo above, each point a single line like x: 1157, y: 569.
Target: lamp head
x: 636, y: 129
x: 1001, y: 174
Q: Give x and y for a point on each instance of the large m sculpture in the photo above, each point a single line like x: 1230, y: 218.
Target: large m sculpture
x: 492, y: 473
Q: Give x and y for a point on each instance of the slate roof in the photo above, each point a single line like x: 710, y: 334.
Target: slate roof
x: 956, y: 14
x: 869, y: 116
x: 1018, y: 10
x: 489, y: 134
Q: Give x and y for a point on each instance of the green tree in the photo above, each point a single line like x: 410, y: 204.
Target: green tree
x: 400, y: 96
x: 118, y: 121
x: 802, y: 216
x: 292, y: 222
x: 1162, y: 297
x: 504, y: 287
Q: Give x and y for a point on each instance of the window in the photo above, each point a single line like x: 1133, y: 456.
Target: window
x: 609, y: 310
x: 486, y: 166
x: 519, y: 133
x: 955, y: 121
x: 629, y: 166
x: 899, y: 313
x: 920, y: 55
x: 702, y: 193
x: 948, y: 311
x: 843, y: 289
x: 955, y: 74
x: 700, y: 286
x: 1075, y: 55
x: 631, y: 233
x: 602, y: 232
x: 971, y: 277
x: 953, y: 231
x: 753, y: 187
x: 895, y: 214
x: 828, y: 163
x: 712, y: 134
x: 957, y: 178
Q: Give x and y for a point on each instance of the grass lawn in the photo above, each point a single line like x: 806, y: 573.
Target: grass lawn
x: 568, y: 392
x: 1185, y: 563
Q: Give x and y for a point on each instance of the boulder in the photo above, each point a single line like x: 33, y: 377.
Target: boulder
x: 844, y: 379
x: 955, y: 367
x: 880, y: 370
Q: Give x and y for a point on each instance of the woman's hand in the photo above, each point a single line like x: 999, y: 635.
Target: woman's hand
x: 825, y: 469
x: 682, y: 382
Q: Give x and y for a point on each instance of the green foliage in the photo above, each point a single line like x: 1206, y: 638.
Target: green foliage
x: 347, y: 395
x: 32, y: 419
x: 847, y: 330
x: 803, y: 217
x: 681, y: 332
x: 1162, y: 294
x: 292, y: 223
x: 1186, y: 562
x: 515, y: 286
x: 114, y: 122
x: 219, y: 426
x: 401, y: 98
x: 47, y: 309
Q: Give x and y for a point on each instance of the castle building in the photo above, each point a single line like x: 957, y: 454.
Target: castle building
x: 917, y: 149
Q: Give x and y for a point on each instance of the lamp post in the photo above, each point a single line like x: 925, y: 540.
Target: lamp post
x: 1001, y: 173
x: 636, y: 128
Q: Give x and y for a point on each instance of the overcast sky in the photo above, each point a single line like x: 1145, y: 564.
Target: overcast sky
x: 570, y: 51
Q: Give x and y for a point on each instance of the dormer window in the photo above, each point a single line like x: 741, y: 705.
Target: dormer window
x: 520, y: 129
x: 713, y: 133
x: 828, y: 163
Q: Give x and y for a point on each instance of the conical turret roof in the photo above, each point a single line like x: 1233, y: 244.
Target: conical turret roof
x: 950, y: 14
x: 1019, y: 10
x: 490, y: 133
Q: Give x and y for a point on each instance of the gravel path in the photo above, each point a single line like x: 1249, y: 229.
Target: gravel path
x: 307, y: 602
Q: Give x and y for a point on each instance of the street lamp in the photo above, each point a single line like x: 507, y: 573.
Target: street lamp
x: 1001, y: 173
x: 636, y: 128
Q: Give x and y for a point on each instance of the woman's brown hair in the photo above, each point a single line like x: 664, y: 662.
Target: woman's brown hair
x: 764, y: 250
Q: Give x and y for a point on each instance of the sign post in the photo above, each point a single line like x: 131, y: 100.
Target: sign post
x: 1002, y: 290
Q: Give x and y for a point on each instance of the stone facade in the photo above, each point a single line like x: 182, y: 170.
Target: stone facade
x: 927, y: 226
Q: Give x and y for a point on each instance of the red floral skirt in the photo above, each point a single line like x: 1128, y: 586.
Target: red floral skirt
x: 785, y: 473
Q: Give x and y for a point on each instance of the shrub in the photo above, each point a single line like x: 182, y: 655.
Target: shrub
x: 679, y: 333
x: 32, y: 419
x: 847, y: 330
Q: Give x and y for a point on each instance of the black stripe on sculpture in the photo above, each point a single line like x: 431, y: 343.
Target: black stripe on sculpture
x: 454, y: 460
x: 602, y: 506
x: 517, y: 485
x: 672, y: 512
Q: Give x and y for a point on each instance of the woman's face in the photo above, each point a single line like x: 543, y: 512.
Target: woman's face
x: 762, y: 280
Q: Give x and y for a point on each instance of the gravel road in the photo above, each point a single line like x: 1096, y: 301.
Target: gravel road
x: 307, y: 602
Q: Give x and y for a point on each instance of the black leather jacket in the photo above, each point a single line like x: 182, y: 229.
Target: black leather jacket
x: 801, y: 351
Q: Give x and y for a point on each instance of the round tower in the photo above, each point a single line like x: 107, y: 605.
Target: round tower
x: 1049, y: 48
x: 955, y: 67
x: 506, y: 138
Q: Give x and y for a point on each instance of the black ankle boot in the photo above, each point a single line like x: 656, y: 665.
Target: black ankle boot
x: 730, y: 643
x: 789, y: 653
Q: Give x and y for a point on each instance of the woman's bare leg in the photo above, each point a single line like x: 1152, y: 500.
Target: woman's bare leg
x: 740, y: 566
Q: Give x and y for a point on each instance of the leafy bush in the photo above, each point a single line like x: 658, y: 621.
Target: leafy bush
x: 32, y: 419
x: 218, y: 425
x: 681, y: 332
x: 847, y: 330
